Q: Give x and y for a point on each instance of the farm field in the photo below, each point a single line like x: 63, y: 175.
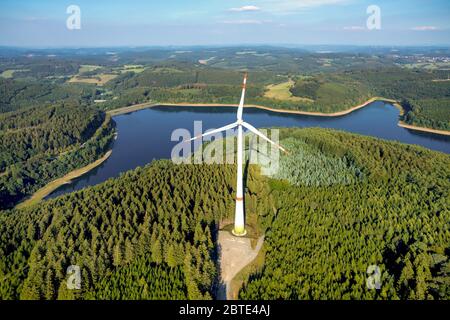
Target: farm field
x: 281, y: 92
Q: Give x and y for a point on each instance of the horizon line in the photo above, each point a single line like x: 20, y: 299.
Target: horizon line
x: 276, y: 45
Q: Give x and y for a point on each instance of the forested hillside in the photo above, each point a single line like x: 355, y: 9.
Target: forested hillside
x: 39, y: 144
x: 148, y: 234
x: 426, y: 102
x: 178, y: 83
x: 323, y: 82
x: 17, y: 94
x: 331, y: 92
x: 182, y: 82
x: 327, y: 92
x: 328, y: 230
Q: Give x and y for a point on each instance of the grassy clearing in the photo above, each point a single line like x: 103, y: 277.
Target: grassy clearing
x: 87, y: 68
x: 136, y: 68
x: 428, y: 65
x: 98, y: 80
x: 8, y: 74
x: 52, y: 186
x: 281, y: 92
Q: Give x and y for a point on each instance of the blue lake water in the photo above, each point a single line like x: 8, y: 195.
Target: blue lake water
x: 146, y: 134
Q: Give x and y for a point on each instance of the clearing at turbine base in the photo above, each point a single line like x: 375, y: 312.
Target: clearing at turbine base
x: 239, y: 221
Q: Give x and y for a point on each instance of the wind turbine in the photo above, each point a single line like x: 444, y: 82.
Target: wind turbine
x: 239, y: 223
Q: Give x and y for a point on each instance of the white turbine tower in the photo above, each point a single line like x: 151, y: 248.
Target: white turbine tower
x: 239, y: 222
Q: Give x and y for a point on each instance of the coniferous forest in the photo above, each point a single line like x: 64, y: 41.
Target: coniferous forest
x: 40, y: 144
x: 340, y: 204
x: 151, y: 233
x: 324, y: 236
x: 224, y: 159
x: 148, y: 234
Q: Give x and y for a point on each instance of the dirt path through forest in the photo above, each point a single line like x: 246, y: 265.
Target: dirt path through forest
x: 235, y: 254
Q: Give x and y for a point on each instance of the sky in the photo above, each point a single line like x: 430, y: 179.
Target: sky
x: 43, y: 23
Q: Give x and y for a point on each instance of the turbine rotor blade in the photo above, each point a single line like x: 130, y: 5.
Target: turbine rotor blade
x: 224, y: 128
x: 257, y: 132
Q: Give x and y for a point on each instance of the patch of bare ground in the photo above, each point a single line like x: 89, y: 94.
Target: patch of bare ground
x: 235, y: 254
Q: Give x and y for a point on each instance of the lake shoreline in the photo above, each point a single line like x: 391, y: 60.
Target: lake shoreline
x: 423, y: 129
x: 46, y: 190
x: 134, y: 148
x: 141, y: 106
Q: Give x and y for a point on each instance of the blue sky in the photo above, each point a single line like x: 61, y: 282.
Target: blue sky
x: 212, y: 22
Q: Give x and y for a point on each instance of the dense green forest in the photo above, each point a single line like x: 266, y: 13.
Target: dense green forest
x: 331, y: 82
x: 40, y: 144
x: 430, y: 113
x: 148, y: 234
x: 328, y: 92
x: 300, y: 166
x: 339, y: 203
x: 426, y: 101
x: 331, y: 92
x: 17, y: 94
x: 325, y: 234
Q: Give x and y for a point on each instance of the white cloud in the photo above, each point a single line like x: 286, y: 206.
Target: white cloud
x: 292, y: 6
x: 424, y: 28
x: 245, y: 8
x: 287, y: 6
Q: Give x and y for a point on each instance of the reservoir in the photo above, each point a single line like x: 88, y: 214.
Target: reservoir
x: 145, y: 135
